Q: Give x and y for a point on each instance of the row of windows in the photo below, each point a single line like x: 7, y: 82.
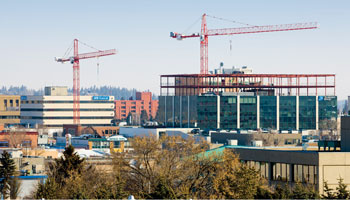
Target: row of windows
x: 285, y: 172
x: 24, y: 143
x: 65, y: 109
x: 11, y: 103
x: 9, y: 117
x: 43, y: 102
x: 90, y: 117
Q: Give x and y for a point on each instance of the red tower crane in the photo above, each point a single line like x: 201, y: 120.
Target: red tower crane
x: 205, y: 33
x: 76, y: 74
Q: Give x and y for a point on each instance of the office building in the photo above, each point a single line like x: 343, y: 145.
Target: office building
x: 55, y: 111
x: 238, y: 99
x: 247, y: 111
x: 143, y: 102
x: 9, y: 109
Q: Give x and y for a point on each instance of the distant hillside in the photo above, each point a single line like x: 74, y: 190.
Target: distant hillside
x: 117, y: 92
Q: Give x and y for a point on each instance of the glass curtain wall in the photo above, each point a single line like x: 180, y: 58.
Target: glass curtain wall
x: 287, y: 112
x: 207, y: 112
x: 193, y: 111
x: 248, y: 112
x: 307, y: 112
x: 228, y: 112
x: 268, y: 112
x: 327, y: 107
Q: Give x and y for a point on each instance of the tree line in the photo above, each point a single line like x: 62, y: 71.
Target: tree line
x: 118, y: 92
x: 167, y: 168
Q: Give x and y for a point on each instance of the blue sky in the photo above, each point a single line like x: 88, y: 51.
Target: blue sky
x: 34, y: 32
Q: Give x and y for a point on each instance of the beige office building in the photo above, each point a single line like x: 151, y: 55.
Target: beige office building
x: 55, y: 109
x: 9, y: 109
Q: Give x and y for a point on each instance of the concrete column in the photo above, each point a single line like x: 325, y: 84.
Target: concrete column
x: 317, y: 114
x: 238, y: 112
x: 188, y: 111
x: 291, y: 173
x: 218, y: 111
x: 270, y: 171
x: 257, y: 112
x: 278, y: 112
x: 297, y: 111
x: 165, y: 122
x: 173, y: 111
x: 181, y: 111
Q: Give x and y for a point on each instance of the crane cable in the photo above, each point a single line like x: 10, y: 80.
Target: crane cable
x: 89, y: 46
x: 98, y: 61
x: 70, y: 47
x: 184, y: 32
x: 228, y: 20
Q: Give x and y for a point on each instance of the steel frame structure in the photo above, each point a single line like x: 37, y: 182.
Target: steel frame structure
x: 279, y: 84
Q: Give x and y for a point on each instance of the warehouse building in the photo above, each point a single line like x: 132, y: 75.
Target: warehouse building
x: 55, y: 109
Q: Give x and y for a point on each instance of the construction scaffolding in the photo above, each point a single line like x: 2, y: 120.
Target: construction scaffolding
x: 260, y: 84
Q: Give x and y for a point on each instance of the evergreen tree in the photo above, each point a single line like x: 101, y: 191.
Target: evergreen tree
x: 329, y: 194
x: 7, y: 170
x: 342, y: 192
x: 144, y: 116
x: 282, y: 192
x: 304, y: 192
x: 60, y: 173
x: 15, y: 188
x: 162, y: 191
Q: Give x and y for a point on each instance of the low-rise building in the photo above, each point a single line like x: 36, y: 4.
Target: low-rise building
x: 9, y: 109
x: 282, y: 165
x: 97, y: 131
x: 18, y: 139
x: 247, y: 139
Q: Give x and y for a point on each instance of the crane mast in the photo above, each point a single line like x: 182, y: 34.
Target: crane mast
x: 205, y: 33
x: 76, y: 74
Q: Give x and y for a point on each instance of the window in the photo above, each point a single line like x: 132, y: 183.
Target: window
x: 305, y: 173
x: 4, y: 144
x: 26, y: 143
x: 116, y: 144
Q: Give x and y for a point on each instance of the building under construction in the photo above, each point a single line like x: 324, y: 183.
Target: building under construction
x: 238, y: 99
x: 237, y: 80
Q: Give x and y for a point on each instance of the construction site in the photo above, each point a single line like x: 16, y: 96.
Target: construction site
x: 238, y: 80
x: 237, y: 99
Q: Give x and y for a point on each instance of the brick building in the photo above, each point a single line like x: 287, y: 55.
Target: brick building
x: 143, y: 102
x: 102, y: 131
x: 18, y: 139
